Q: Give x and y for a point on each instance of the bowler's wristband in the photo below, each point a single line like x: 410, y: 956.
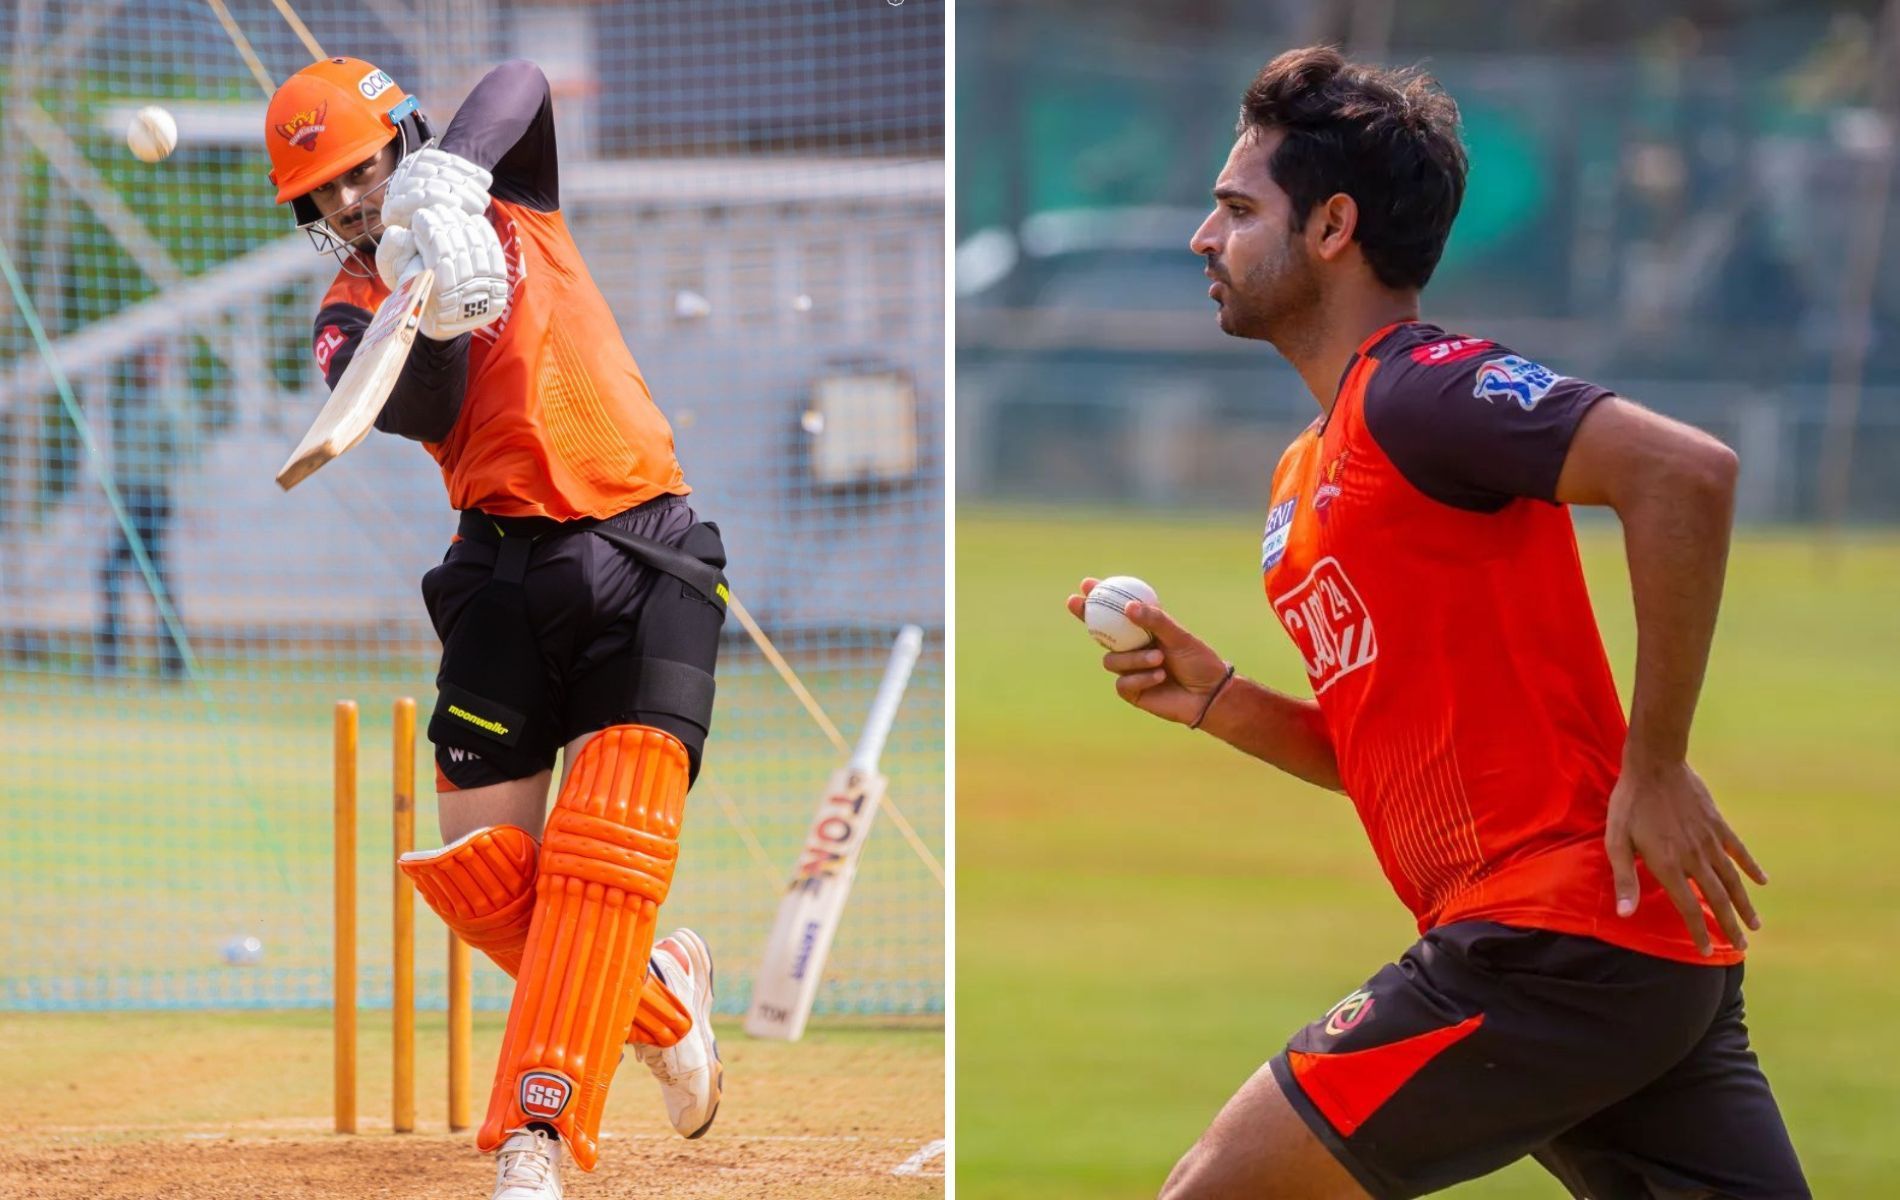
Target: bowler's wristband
x: 1213, y: 696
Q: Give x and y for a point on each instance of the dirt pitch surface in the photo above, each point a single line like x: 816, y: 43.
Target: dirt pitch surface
x: 180, y: 1105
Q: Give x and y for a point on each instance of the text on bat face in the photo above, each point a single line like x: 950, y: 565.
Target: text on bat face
x: 828, y: 844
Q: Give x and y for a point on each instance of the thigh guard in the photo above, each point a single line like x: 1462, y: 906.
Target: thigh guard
x: 664, y: 679
x: 492, y: 696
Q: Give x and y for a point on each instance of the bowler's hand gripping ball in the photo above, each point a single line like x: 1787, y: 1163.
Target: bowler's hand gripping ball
x: 152, y: 134
x: 1103, y: 612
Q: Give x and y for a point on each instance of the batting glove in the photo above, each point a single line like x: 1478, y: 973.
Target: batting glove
x: 432, y: 178
x: 471, y: 273
x: 396, y: 255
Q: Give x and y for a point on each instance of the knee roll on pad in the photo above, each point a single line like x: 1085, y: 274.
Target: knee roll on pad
x: 605, y: 868
x: 482, y: 886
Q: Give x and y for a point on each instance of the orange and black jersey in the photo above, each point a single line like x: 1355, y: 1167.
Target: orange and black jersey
x: 544, y: 412
x: 1416, y: 555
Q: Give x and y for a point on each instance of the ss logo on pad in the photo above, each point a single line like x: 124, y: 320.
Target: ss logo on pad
x: 544, y: 1094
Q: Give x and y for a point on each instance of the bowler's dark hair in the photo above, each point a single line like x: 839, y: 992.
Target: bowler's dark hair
x: 1387, y: 138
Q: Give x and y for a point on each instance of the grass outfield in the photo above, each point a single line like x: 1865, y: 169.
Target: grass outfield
x: 1144, y: 915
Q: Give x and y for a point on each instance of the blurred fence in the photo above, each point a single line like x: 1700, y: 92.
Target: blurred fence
x: 1674, y: 213
x: 758, y: 189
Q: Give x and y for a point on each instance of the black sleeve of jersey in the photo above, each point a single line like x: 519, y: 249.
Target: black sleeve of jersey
x: 428, y: 394
x: 507, y: 126
x: 1466, y: 449
x: 339, y: 328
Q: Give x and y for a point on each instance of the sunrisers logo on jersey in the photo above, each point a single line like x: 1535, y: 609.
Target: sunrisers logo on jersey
x: 1330, y: 488
x: 1515, y: 378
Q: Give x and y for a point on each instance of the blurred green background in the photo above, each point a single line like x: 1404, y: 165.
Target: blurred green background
x: 1687, y: 200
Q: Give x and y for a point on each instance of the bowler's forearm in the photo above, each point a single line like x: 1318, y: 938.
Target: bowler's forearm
x: 1676, y: 535
x: 1281, y: 730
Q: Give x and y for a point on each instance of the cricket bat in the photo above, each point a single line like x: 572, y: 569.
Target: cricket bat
x: 358, y: 397
x: 808, y: 915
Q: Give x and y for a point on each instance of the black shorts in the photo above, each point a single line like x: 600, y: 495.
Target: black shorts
x: 1624, y: 1074
x: 526, y: 669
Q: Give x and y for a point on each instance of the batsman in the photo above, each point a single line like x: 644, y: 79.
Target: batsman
x: 579, y: 605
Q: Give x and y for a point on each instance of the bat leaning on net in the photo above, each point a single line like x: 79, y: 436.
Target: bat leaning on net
x: 813, y: 904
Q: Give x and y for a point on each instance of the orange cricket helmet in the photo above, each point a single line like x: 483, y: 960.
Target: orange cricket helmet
x: 326, y: 119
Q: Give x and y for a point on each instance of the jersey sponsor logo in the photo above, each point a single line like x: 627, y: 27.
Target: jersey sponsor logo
x: 328, y: 343
x: 1279, y: 529
x: 1346, y: 1015
x: 1329, y: 624
x: 374, y: 84
x: 1515, y: 378
x: 301, y: 130
x: 544, y: 1094
x: 1450, y: 350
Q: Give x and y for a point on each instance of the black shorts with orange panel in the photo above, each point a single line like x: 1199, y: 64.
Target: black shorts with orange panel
x: 1623, y: 1074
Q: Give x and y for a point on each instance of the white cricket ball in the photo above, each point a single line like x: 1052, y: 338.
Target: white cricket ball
x: 1103, y: 612
x: 152, y: 134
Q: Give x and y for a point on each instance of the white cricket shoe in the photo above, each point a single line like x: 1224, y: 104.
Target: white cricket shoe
x: 690, y: 1073
x: 528, y: 1167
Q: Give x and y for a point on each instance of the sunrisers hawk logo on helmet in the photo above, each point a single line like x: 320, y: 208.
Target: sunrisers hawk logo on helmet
x: 302, y: 129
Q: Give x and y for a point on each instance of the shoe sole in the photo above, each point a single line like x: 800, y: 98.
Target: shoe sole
x: 701, y: 954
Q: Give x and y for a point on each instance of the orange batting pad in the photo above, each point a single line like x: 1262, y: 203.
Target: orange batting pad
x: 482, y: 886
x: 606, y: 865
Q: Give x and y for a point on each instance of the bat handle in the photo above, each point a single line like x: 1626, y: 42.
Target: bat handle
x: 877, y: 728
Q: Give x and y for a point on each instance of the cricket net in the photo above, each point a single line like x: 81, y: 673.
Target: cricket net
x: 758, y: 190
